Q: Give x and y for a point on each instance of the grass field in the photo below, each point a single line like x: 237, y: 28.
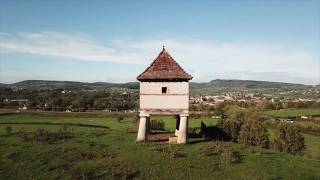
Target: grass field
x: 105, y: 153
x: 294, y: 112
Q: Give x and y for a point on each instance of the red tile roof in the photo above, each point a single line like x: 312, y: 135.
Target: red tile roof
x: 164, y: 67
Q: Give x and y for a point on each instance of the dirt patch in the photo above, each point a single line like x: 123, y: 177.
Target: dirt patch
x: 160, y: 137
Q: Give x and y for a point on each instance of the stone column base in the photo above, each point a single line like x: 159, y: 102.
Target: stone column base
x: 183, y: 130
x: 142, y: 132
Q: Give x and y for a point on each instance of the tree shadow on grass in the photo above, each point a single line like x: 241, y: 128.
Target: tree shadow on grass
x: 209, y: 133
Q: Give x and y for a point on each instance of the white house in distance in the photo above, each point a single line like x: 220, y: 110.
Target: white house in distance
x: 164, y: 90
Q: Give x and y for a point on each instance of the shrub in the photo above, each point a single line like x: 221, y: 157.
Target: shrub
x: 133, y: 128
x: 289, y: 139
x: 194, y: 132
x: 254, y: 133
x: 196, y: 116
x: 157, y: 125
x: 8, y: 130
x: 64, y: 127
x: 232, y: 128
x: 213, y: 132
x: 219, y: 123
x: 120, y: 119
x: 231, y: 124
x: 58, y: 163
x: 234, y: 119
x: 89, y: 169
x: 24, y: 135
x: 231, y: 156
x: 309, y: 127
x: 42, y: 135
x: 154, y: 125
x: 227, y: 154
x: 179, y: 154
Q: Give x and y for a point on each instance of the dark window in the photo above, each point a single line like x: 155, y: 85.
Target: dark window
x: 164, y: 90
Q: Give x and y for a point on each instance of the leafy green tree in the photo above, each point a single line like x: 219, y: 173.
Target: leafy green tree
x: 234, y: 118
x: 254, y: 133
x: 289, y: 139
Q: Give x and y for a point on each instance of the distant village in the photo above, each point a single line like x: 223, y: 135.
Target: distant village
x: 253, y: 97
x: 211, y: 100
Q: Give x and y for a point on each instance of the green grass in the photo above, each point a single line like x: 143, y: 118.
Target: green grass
x: 294, y: 112
x: 97, y: 153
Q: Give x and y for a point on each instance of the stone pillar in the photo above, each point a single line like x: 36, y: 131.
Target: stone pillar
x: 183, y: 130
x: 142, y: 132
x: 148, y: 131
x: 176, y: 133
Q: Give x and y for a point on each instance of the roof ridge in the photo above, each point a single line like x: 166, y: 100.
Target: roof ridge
x: 151, y: 63
x: 173, y: 70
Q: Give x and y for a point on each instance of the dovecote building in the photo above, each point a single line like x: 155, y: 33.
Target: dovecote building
x: 164, y: 90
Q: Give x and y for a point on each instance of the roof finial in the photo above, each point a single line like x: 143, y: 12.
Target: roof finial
x: 163, y: 47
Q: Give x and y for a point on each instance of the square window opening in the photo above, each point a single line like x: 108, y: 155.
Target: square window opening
x: 164, y: 90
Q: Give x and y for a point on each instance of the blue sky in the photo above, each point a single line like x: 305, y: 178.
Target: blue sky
x: 114, y: 41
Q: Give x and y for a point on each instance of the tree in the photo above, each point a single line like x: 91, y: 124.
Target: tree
x: 278, y: 105
x: 234, y: 118
x: 289, y: 139
x: 254, y: 133
x: 268, y: 106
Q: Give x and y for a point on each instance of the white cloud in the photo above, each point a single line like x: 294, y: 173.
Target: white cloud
x: 76, y: 47
x: 206, y: 59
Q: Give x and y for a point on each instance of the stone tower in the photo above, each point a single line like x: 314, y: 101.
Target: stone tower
x: 164, y: 90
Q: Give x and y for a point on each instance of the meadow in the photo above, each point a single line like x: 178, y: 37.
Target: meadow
x: 101, y: 148
x: 283, y: 113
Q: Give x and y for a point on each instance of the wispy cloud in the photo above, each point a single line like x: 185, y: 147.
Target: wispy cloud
x: 75, y: 47
x: 250, y: 60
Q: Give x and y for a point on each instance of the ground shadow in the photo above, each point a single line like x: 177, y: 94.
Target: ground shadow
x: 209, y: 133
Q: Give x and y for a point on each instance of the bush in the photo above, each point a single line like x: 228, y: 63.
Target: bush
x: 89, y: 169
x: 194, y: 132
x: 232, y: 128
x: 289, y: 139
x: 120, y: 119
x: 8, y: 130
x: 227, y: 154
x: 154, y: 125
x: 254, y: 133
x: 133, y: 128
x: 231, y: 124
x: 213, y: 132
x: 157, y: 125
x: 42, y: 135
x: 234, y: 119
x: 46, y: 136
x: 230, y: 156
x: 196, y: 116
x: 24, y: 135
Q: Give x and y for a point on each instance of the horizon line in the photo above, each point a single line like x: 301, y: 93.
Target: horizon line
x: 112, y: 82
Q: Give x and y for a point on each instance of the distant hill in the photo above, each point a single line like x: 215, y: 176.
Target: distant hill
x: 3, y: 85
x: 251, y: 84
x: 226, y: 85
x: 214, y: 84
x: 43, y: 84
